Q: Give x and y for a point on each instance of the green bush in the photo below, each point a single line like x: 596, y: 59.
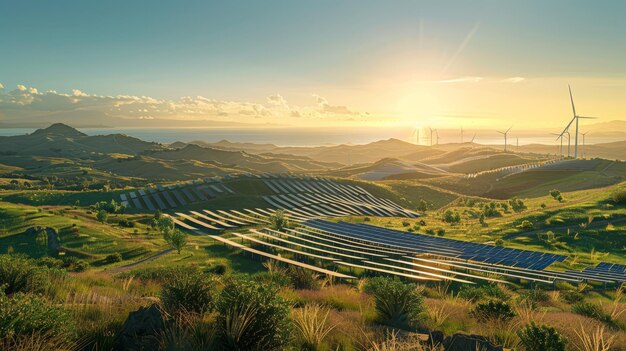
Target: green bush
x: 114, y: 257
x: 278, y: 220
x: 24, y: 314
x: 451, y: 217
x: 252, y: 316
x: 475, y: 293
x: 541, y: 338
x: 302, y: 278
x: 526, y: 225
x: 591, y: 310
x: 19, y: 274
x: 572, y: 297
x: 535, y: 295
x: 619, y: 196
x: 493, y: 310
x: 188, y: 293
x: 397, y: 304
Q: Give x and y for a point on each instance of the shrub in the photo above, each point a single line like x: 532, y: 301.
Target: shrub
x: 397, y: 304
x: 572, y: 297
x: 278, y: 221
x: 441, y: 232
x: 18, y: 274
x: 619, y: 196
x: 102, y: 216
x: 80, y: 266
x: 188, y: 293
x: 493, y: 310
x: 252, y: 316
x: 126, y: 223
x: 591, y: 310
x: 535, y: 295
x: 114, y: 258
x: 526, y: 225
x: 406, y: 223
x: 541, y: 338
x: 451, y: 217
x: 26, y: 314
x: 555, y: 193
x: 517, y: 204
x: 499, y: 242
x: 302, y: 278
x: 476, y: 293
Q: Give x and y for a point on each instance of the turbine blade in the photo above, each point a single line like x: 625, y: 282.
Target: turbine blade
x: 571, y: 99
x: 588, y: 117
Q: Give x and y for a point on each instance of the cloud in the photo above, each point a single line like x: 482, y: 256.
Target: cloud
x: 276, y: 100
x: 1, y: 86
x: 326, y: 108
x: 462, y: 80
x: 27, y: 103
x: 514, y: 80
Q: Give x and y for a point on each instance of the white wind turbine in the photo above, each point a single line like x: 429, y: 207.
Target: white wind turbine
x: 505, y: 135
x: 575, y: 118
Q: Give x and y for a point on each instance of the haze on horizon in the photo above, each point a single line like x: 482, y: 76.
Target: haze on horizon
x: 480, y: 64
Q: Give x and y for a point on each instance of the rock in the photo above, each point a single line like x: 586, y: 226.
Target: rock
x: 463, y: 342
x: 435, y: 338
x: 141, y: 329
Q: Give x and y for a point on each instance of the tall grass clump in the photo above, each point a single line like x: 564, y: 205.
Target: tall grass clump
x: 593, y: 340
x: 541, y: 338
x: 397, y: 304
x: 25, y: 314
x: 312, y: 326
x: 188, y: 293
x: 252, y: 316
x: 592, y: 310
x: 19, y: 274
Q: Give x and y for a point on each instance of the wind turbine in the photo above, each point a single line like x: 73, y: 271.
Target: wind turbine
x: 461, y: 135
x: 575, y: 118
x: 437, y: 133
x: 584, y: 147
x: 416, y: 132
x: 505, y: 135
x: 431, y: 136
x: 559, y: 136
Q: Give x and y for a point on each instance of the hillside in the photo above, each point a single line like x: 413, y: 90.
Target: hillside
x: 389, y: 168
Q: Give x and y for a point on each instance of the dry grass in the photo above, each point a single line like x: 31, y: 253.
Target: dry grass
x: 593, y: 339
x: 312, y: 325
x: 340, y: 297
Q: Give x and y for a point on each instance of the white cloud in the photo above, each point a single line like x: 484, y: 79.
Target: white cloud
x: 1, y: 86
x: 27, y: 102
x: 514, y: 80
x: 468, y: 79
x: 277, y: 100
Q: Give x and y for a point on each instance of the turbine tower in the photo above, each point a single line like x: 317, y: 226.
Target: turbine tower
x: 431, y: 136
x: 505, y: 135
x: 461, y: 135
x: 416, y: 132
x: 584, y: 147
x: 559, y: 136
x: 437, y: 135
x: 575, y: 118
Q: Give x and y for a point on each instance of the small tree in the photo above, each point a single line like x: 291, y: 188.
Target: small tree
x: 278, y: 220
x: 102, y: 216
x: 541, y: 338
x: 177, y: 239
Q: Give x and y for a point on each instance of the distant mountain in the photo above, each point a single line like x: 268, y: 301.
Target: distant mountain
x: 62, y: 140
x: 344, y: 154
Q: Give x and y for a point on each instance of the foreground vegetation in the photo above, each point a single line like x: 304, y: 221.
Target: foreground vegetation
x: 42, y: 306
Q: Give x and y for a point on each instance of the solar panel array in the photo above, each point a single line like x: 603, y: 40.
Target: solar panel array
x: 176, y: 195
x: 604, y: 270
x: 324, y: 197
x: 442, y: 246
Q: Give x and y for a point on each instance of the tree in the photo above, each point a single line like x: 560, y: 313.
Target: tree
x: 278, y: 220
x: 177, y: 239
x: 422, y: 206
x: 451, y: 217
x: 102, y: 216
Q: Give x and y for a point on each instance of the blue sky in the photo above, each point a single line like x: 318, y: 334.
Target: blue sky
x: 357, y: 54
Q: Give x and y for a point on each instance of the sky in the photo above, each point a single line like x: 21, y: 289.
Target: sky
x: 477, y: 64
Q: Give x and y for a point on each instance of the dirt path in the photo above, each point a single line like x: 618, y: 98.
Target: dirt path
x: 133, y: 265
